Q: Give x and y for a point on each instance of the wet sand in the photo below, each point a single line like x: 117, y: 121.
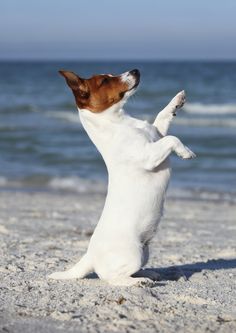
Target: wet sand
x: 194, y: 252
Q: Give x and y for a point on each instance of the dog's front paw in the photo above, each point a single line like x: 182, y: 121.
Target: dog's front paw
x: 178, y: 101
x: 185, y: 153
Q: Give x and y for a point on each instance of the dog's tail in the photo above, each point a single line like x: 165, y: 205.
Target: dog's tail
x: 78, y: 271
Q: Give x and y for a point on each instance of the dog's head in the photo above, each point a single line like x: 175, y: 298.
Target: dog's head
x: 100, y: 92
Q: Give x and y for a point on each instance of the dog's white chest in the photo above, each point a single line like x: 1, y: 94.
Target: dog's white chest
x: 135, y: 196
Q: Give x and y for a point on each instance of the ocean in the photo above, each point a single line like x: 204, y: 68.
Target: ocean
x: 43, y: 145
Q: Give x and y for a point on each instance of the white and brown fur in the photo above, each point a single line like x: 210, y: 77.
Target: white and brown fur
x: 136, y: 155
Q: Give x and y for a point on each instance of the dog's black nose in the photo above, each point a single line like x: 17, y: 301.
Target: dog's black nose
x: 135, y: 72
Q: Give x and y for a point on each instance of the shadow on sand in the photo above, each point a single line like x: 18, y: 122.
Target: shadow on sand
x: 174, y: 273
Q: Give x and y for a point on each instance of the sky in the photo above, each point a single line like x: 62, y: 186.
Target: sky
x: 118, y: 29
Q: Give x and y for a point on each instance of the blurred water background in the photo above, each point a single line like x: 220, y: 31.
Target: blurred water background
x: 43, y: 145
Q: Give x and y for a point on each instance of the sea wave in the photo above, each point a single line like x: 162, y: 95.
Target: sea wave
x: 206, y: 122
x: 72, y: 184
x: 21, y: 108
x: 77, y: 184
x: 81, y: 185
x: 184, y: 121
x: 3, y: 181
x: 68, y: 116
x: 88, y: 186
x: 196, y: 121
x: 200, y: 194
x: 217, y: 109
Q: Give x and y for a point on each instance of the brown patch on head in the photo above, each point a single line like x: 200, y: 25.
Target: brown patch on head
x: 97, y: 93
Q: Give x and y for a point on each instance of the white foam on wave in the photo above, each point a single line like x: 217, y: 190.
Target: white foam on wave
x: 200, y: 194
x: 199, y: 108
x: 73, y: 184
x: 77, y: 184
x: 3, y: 181
x: 86, y: 186
x: 191, y: 108
x: 68, y: 116
x: 206, y: 122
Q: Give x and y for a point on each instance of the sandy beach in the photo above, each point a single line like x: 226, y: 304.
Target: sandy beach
x: 69, y: 74
x: 194, y: 252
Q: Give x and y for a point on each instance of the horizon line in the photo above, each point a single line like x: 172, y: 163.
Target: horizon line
x: 118, y: 60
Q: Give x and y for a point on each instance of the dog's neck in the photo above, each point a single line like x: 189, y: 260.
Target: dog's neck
x: 100, y: 126
x: 113, y: 114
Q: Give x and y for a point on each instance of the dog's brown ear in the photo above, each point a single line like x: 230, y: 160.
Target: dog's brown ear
x: 73, y: 80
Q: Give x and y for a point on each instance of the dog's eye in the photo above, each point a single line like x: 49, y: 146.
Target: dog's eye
x: 105, y: 81
x: 83, y: 94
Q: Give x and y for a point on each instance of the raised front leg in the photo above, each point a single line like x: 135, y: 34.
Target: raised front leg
x: 155, y: 153
x: 164, y: 118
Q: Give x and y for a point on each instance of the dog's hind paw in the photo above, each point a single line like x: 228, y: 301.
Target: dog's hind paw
x: 60, y: 276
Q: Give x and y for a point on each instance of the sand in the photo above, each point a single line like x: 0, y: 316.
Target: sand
x: 194, y: 252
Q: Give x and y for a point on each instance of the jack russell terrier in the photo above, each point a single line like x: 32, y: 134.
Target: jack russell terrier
x: 136, y: 156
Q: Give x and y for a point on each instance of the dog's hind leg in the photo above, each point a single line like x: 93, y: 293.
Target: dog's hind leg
x: 146, y: 273
x: 78, y: 271
x: 164, y: 117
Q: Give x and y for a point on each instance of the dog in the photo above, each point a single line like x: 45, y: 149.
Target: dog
x: 136, y: 156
